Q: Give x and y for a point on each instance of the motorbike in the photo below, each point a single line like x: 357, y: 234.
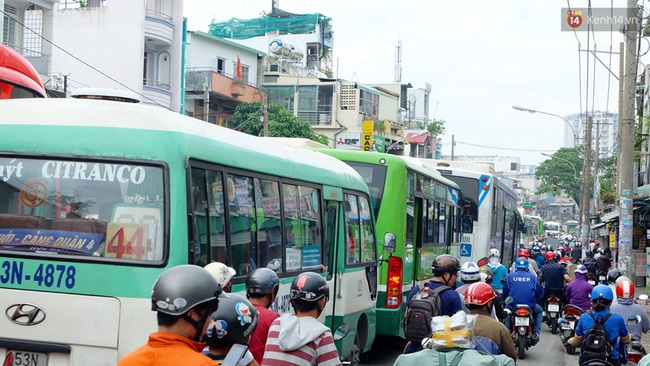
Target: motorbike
x: 567, y: 324
x: 522, y: 330
x: 635, y: 350
x: 591, y: 278
x: 602, y: 278
x: 553, y: 306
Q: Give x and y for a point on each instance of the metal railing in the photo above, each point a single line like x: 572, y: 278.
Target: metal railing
x: 159, y: 15
x: 156, y: 84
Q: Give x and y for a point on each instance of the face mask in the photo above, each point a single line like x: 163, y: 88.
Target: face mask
x: 494, y: 261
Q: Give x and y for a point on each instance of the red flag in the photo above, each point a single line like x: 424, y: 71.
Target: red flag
x: 238, y: 67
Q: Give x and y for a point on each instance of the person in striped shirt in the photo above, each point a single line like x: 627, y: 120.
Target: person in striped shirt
x: 300, y: 339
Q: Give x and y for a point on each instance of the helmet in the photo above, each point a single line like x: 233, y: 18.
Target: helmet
x: 602, y: 292
x: 262, y: 281
x: 232, y: 323
x: 621, y: 279
x: 469, y: 272
x: 523, y: 253
x: 581, y: 269
x: 613, y: 274
x: 222, y: 273
x: 543, y: 248
x: 309, y: 286
x: 445, y: 263
x: 536, y: 249
x: 521, y: 263
x: 181, y: 288
x: 549, y: 256
x: 479, y: 294
x: 561, y: 251
x: 494, y: 253
x: 487, y: 270
x: 625, y: 290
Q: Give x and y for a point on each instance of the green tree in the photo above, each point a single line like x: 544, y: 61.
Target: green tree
x: 436, y: 127
x: 607, y: 188
x: 248, y: 119
x: 563, y: 169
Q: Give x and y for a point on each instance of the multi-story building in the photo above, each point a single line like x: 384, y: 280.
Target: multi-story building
x: 220, y: 74
x: 606, y: 139
x: 117, y: 44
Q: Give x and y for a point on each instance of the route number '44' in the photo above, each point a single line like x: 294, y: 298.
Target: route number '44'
x: 127, y: 241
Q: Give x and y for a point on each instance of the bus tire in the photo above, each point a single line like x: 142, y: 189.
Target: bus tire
x: 355, y: 352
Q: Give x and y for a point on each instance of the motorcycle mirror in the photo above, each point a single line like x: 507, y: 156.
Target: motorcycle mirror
x: 633, y: 319
x: 643, y: 297
x: 341, y: 331
x: 508, y: 300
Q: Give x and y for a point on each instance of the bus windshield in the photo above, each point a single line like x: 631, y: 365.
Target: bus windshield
x: 98, y: 209
x: 375, y: 177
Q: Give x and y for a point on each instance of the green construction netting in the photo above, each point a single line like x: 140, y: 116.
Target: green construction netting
x: 277, y: 20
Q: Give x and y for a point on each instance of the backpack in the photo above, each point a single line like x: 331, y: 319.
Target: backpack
x: 423, y: 306
x: 595, y: 344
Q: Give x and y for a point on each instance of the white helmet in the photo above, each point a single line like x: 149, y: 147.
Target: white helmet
x: 222, y: 273
x: 621, y: 279
x: 469, y: 272
x: 494, y: 253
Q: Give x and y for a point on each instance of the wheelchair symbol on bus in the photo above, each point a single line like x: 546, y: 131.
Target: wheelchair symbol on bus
x: 465, y: 249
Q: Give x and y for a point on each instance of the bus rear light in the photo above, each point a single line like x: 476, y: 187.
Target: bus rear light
x: 394, y: 283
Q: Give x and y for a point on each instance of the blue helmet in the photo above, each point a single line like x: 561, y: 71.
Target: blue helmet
x: 521, y: 263
x: 602, y: 292
x: 536, y: 249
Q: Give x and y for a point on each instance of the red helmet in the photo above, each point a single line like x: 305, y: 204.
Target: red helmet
x: 625, y: 290
x: 479, y: 293
x: 524, y: 253
x: 549, y: 255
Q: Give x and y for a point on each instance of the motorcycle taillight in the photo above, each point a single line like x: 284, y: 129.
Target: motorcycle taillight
x: 553, y: 300
x: 634, y: 357
x: 522, y: 312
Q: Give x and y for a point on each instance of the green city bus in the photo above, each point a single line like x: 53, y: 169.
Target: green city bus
x: 421, y: 208
x: 98, y: 198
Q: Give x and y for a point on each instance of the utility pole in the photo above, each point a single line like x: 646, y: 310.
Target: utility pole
x: 626, y: 131
x: 265, y: 106
x: 586, y: 187
x: 621, y: 116
x: 453, y: 144
x: 596, y: 162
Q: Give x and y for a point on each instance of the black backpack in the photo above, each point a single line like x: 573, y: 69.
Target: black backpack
x: 595, y: 344
x: 417, y: 324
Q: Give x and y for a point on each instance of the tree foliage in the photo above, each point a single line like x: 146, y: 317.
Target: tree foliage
x: 607, y: 187
x: 436, y: 127
x: 565, y: 168
x: 248, y: 119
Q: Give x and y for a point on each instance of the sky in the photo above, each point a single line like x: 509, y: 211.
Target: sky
x: 480, y: 57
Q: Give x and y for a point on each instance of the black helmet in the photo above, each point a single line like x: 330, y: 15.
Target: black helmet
x: 309, y: 286
x: 232, y: 323
x: 613, y: 274
x: 262, y: 281
x: 181, y: 288
x: 445, y: 263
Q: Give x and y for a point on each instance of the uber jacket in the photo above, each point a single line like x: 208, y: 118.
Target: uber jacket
x: 523, y: 287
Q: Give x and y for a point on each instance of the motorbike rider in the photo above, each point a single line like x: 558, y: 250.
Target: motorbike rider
x: 603, y: 263
x: 576, y: 253
x: 497, y: 308
x: 532, y: 265
x: 499, y: 271
x: 538, y: 256
x: 578, y: 291
x: 626, y: 308
x: 469, y: 274
x: 553, y: 275
x: 601, y: 298
x: 523, y: 287
x: 590, y: 263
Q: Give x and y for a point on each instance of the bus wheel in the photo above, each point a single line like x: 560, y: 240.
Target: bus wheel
x: 355, y: 352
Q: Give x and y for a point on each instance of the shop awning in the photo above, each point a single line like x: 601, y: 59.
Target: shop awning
x: 597, y: 226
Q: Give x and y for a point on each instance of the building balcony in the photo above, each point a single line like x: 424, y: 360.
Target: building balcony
x: 158, y: 28
x: 223, y: 85
x: 156, y: 93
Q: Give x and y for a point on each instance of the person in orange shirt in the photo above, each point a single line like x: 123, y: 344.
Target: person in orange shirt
x: 184, y: 297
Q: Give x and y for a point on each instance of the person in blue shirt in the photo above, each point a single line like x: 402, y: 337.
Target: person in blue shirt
x: 445, y: 272
x: 554, y: 275
x: 538, y: 256
x: 601, y: 299
x: 499, y: 271
x: 523, y: 287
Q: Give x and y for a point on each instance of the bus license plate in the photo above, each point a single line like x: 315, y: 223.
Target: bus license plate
x: 523, y: 322
x: 554, y: 307
x: 23, y: 358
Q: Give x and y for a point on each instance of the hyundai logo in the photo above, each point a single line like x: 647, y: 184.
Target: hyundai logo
x: 25, y: 314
